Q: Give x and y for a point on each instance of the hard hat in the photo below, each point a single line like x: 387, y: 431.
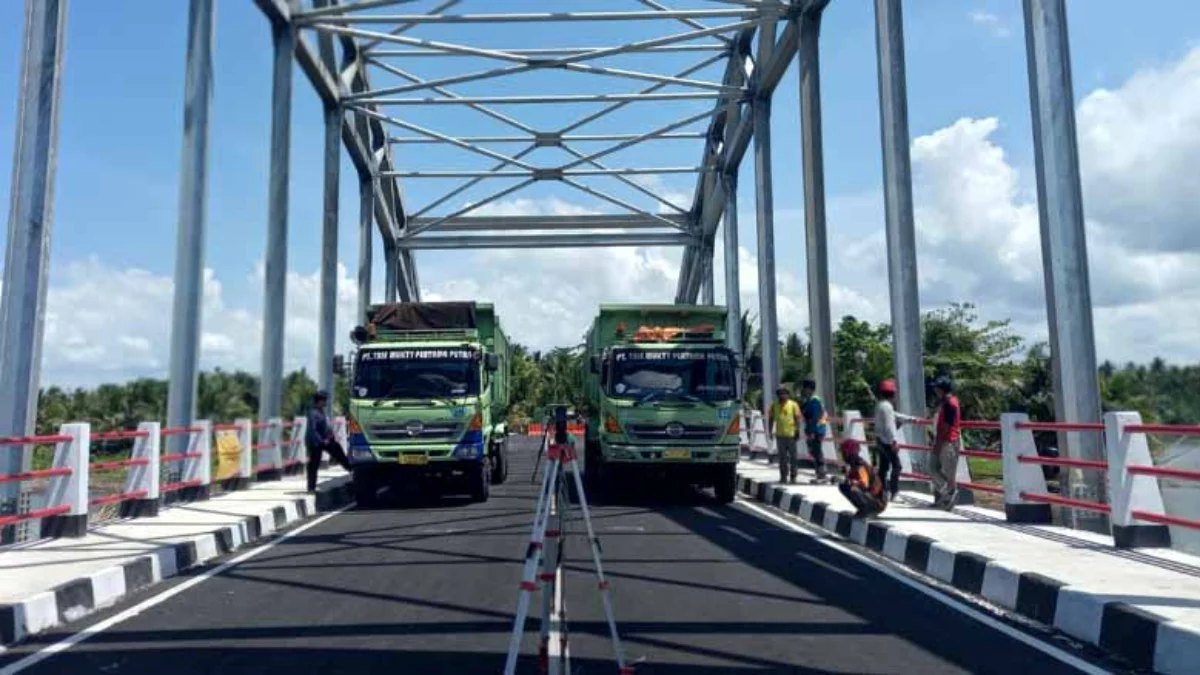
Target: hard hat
x: 888, y: 386
x: 942, y: 382
x: 849, y: 447
x: 808, y: 383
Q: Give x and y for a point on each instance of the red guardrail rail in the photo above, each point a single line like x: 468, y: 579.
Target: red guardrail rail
x: 1065, y: 461
x: 174, y: 487
x: 33, y: 515
x: 45, y: 439
x: 1066, y: 501
x: 1060, y: 426
x: 1177, y: 429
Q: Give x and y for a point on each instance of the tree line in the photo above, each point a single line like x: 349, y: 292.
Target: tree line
x: 993, y: 369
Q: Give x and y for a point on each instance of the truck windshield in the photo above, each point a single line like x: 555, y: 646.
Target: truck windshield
x: 416, y: 373
x: 700, y: 373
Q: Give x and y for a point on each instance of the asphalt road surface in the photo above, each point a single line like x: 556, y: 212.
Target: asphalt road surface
x: 698, y: 588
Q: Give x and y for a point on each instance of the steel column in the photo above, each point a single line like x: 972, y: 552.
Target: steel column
x: 390, y: 262
x: 190, y: 240
x: 275, y: 268
x: 898, y: 207
x: 817, y: 256
x: 30, y: 219
x: 329, y: 244
x: 1064, y: 247
x: 733, y: 291
x: 761, y: 110
x: 706, y: 278
x: 366, y: 238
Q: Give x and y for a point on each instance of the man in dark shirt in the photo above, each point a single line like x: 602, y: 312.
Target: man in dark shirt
x: 943, y: 460
x: 318, y: 437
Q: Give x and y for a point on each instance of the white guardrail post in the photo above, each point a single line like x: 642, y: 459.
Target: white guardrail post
x: 341, y: 433
x: 71, y: 489
x: 268, y: 463
x: 294, y: 455
x: 144, y: 477
x: 1128, y: 492
x: 245, y: 436
x: 1019, y: 477
x: 197, y: 468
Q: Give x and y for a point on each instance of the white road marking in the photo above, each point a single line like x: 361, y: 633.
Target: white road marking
x: 991, y: 622
x: 97, y: 628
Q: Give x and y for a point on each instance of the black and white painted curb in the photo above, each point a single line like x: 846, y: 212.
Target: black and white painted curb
x: 82, y: 596
x: 1143, y: 639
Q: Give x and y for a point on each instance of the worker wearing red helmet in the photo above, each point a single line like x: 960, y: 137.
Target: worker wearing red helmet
x: 887, y: 423
x: 862, y: 486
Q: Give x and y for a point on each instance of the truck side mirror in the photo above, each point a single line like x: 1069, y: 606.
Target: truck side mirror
x: 491, y: 362
x: 339, y: 364
x: 754, y: 364
x: 594, y: 364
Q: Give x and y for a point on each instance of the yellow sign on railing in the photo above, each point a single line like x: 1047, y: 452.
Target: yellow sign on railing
x: 229, y: 454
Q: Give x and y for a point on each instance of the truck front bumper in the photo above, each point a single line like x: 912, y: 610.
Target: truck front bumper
x: 401, y: 462
x: 624, y: 454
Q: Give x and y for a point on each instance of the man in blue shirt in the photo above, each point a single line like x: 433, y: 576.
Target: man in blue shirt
x: 318, y: 438
x: 815, y: 424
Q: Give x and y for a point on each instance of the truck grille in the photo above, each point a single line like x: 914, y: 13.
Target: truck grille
x: 673, y: 431
x: 415, y: 431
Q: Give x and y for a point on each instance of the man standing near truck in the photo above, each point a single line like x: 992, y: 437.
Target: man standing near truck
x: 815, y: 425
x: 318, y: 438
x: 783, y: 420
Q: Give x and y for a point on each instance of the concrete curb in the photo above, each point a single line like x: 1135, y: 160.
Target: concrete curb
x: 1143, y: 639
x: 84, y: 595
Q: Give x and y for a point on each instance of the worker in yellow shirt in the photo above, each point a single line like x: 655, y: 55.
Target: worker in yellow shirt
x: 783, y: 422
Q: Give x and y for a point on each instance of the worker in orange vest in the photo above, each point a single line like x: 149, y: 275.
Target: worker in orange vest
x: 861, y: 486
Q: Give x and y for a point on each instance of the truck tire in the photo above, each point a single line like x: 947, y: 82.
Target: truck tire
x: 499, y: 465
x: 480, y: 480
x: 366, y: 489
x: 725, y: 486
x: 591, y: 468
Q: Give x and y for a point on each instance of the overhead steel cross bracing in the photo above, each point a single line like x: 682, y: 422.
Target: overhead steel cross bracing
x: 389, y: 40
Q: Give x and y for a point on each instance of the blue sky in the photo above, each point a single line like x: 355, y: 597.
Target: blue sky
x: 117, y: 183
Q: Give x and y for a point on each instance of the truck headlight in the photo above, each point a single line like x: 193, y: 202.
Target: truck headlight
x: 361, y: 454
x: 725, y: 455
x: 468, y: 452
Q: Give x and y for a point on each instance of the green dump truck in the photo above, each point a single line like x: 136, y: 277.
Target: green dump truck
x: 429, y: 392
x: 661, y: 393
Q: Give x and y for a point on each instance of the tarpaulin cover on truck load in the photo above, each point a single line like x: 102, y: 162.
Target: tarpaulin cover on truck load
x: 424, y: 315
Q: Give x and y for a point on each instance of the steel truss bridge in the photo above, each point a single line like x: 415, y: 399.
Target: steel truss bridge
x: 710, y: 76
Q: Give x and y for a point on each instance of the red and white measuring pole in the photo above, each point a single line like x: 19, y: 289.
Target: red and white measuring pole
x: 551, y: 504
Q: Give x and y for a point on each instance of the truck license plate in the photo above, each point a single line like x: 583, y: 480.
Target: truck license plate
x: 414, y: 459
x: 677, y: 453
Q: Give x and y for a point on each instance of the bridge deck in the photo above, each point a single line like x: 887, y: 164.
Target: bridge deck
x: 698, y: 588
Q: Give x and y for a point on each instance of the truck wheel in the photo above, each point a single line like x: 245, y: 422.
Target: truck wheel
x: 591, y: 467
x: 726, y: 485
x: 480, y: 478
x: 499, y: 466
x: 366, y: 490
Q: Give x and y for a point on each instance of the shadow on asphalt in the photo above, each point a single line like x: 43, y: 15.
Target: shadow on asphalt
x: 236, y: 660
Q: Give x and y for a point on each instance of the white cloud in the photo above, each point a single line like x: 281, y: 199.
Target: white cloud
x: 990, y: 21
x: 1138, y: 146
x: 105, y: 324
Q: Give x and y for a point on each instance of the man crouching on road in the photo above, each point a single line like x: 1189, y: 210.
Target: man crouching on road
x: 862, y: 486
x: 318, y: 438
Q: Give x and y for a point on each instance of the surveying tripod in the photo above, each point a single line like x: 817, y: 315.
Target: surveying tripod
x: 545, y: 567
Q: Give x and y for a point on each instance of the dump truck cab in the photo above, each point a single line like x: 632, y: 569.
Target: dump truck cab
x: 662, y: 398
x: 428, y: 395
